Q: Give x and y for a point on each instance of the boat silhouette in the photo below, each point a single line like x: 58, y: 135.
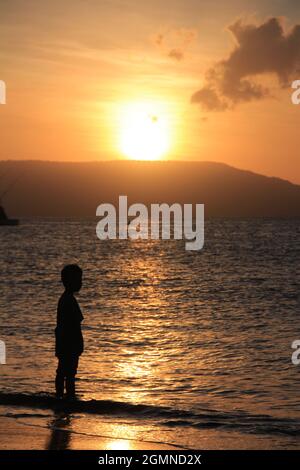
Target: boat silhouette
x: 4, y: 220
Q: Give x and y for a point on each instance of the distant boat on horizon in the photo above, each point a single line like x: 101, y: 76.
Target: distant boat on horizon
x: 4, y: 220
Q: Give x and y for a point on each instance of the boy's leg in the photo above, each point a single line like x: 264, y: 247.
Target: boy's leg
x: 70, y: 376
x: 70, y: 386
x: 60, y: 378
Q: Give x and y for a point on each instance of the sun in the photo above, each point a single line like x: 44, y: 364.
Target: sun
x: 144, y: 131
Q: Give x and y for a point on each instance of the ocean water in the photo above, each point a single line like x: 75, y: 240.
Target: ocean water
x: 182, y: 341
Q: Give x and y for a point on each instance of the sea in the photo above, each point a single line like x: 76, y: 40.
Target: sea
x: 189, y: 348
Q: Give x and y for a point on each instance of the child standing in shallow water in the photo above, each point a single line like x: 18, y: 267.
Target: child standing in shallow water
x: 68, y: 335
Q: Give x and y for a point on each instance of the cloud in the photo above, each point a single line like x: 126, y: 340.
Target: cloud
x: 175, y: 42
x: 176, y: 54
x: 209, y: 99
x: 260, y: 50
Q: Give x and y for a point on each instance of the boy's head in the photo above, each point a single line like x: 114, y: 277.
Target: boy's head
x: 71, y: 277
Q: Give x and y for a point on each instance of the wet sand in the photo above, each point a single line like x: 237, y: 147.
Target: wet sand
x: 19, y: 436
x: 23, y: 431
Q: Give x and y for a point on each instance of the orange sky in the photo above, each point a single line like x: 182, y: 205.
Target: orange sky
x: 71, y: 69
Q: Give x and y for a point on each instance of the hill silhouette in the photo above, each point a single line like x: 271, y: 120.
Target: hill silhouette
x: 76, y: 189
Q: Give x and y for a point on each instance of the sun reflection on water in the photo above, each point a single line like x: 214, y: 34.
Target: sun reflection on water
x: 119, y: 444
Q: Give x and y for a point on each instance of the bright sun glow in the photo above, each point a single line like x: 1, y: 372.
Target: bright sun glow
x: 144, y: 131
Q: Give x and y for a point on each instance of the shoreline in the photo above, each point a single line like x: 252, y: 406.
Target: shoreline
x: 25, y: 428
x: 16, y: 435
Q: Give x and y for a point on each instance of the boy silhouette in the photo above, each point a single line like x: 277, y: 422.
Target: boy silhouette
x: 68, y: 335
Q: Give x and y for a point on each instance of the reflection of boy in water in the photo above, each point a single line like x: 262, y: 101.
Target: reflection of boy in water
x: 68, y: 335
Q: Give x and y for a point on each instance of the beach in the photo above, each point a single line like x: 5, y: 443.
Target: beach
x: 18, y: 435
x: 23, y: 430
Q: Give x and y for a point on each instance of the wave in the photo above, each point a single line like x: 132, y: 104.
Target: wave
x: 171, y: 417
x: 44, y: 400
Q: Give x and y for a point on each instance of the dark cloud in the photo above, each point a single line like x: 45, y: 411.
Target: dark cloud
x: 175, y: 42
x: 260, y: 49
x: 176, y: 54
x: 209, y: 99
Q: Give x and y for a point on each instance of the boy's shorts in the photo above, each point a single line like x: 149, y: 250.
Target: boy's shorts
x: 67, y: 365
